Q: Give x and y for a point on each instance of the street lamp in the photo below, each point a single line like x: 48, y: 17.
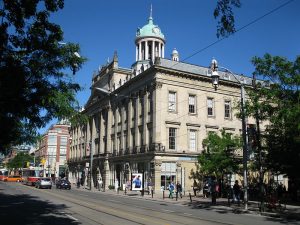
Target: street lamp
x: 215, y: 82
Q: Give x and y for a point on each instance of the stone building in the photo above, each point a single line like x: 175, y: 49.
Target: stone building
x: 151, y: 118
x: 53, y: 150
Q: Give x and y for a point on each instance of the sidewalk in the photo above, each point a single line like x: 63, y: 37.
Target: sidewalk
x: 290, y: 212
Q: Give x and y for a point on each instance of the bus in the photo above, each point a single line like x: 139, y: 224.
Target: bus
x: 31, y: 175
x: 3, y: 174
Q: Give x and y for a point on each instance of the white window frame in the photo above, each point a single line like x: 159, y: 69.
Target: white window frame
x: 172, y: 138
x: 210, y: 106
x: 193, y: 140
x: 228, y: 104
x: 192, y: 104
x: 172, y: 101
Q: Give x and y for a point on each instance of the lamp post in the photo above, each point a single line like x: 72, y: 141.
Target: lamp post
x: 215, y: 82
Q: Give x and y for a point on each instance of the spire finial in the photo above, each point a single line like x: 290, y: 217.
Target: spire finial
x: 150, y: 20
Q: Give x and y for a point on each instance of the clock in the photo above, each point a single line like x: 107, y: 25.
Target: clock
x: 155, y: 30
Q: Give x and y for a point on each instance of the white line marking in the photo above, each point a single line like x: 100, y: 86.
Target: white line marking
x: 187, y: 214
x: 71, y: 217
x: 166, y: 210
x: 83, y: 195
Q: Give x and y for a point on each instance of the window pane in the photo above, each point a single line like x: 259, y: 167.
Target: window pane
x: 172, y: 138
x: 227, y: 109
x: 192, y: 140
x: 192, y: 104
x: 172, y: 101
x: 210, y: 106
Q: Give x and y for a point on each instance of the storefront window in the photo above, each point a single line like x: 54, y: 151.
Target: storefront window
x: 168, y: 174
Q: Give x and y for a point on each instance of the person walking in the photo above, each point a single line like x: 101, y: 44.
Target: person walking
x: 171, y: 189
x: 236, y: 192
x: 178, y: 190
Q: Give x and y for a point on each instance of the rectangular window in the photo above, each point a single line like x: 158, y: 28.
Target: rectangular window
x: 52, y: 140
x: 210, y: 106
x: 227, y: 108
x: 193, y: 140
x: 172, y: 138
x: 192, y: 104
x: 172, y: 101
x: 63, y: 141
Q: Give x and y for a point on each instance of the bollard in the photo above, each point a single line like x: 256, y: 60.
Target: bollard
x: 163, y: 194
x: 190, y: 197
x: 152, y: 193
x: 125, y: 192
x: 118, y: 190
x: 142, y: 192
x: 176, y: 195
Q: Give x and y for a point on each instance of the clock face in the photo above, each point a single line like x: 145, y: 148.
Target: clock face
x: 155, y: 30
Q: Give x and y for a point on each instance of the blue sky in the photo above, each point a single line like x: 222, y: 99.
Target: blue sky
x: 101, y: 27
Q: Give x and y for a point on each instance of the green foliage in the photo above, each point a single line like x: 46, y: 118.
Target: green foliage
x: 218, y: 157
x: 224, y: 11
x: 35, y: 83
x: 279, y: 104
x: 19, y: 161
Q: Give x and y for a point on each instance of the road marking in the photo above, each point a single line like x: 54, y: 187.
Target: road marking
x: 166, y: 210
x: 114, y: 201
x: 83, y: 195
x: 187, y: 214
x: 71, y: 217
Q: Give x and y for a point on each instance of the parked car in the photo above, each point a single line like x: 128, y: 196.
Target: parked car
x: 15, y: 178
x: 63, y: 184
x: 43, y: 182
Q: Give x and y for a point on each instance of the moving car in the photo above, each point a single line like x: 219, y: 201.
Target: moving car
x: 15, y: 178
x: 43, y: 182
x: 63, y: 184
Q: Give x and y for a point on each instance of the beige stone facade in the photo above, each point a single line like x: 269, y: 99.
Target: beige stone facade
x: 152, y: 120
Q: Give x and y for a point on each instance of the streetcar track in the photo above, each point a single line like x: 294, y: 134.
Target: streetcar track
x: 185, y: 215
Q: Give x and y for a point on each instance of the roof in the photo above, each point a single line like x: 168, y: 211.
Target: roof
x: 150, y: 30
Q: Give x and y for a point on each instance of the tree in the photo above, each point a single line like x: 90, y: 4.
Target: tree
x: 19, y: 161
x: 35, y: 83
x: 224, y: 11
x: 279, y: 103
x: 218, y: 157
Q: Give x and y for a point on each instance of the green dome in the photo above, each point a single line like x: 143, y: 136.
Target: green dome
x: 149, y: 30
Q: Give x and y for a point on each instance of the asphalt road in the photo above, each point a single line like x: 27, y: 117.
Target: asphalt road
x: 24, y: 205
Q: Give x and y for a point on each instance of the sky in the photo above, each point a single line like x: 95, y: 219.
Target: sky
x: 102, y: 27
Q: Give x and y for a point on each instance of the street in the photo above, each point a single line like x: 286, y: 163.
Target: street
x: 24, y: 205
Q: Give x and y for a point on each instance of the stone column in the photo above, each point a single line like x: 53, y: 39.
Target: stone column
x: 145, y: 118
x: 163, y: 51
x: 157, y: 110
x: 108, y: 130
x: 129, y: 122
x: 137, y: 119
x: 153, y: 51
x: 136, y: 52
x: 140, y: 51
x: 146, y: 50
x: 101, y: 133
x: 157, y: 175
x: 159, y: 49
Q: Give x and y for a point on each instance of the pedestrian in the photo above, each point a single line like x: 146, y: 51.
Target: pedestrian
x: 236, y: 192
x: 195, y: 187
x: 171, y: 189
x: 178, y: 190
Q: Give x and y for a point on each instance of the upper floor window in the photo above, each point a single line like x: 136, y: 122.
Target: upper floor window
x: 192, y: 141
x: 52, y: 140
x: 227, y: 109
x: 172, y: 101
x: 210, y: 106
x: 63, y: 141
x: 172, y: 138
x: 192, y: 104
